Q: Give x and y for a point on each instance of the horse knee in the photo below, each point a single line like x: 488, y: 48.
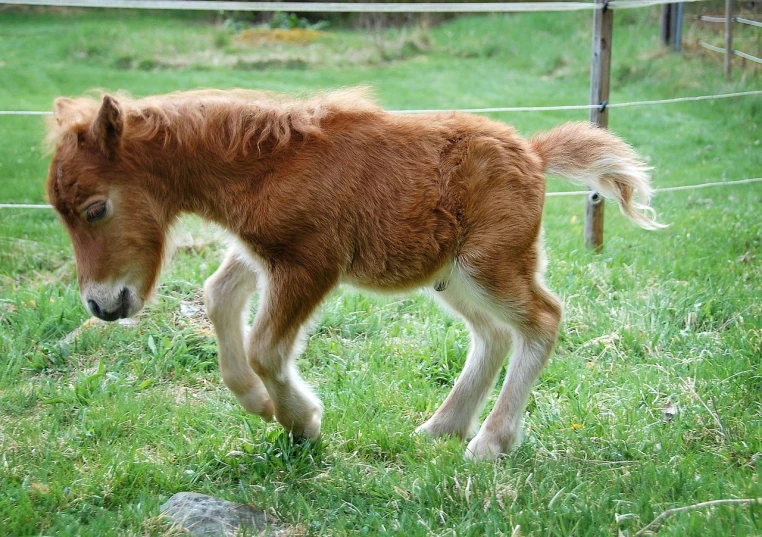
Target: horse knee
x: 265, y: 359
x: 227, y: 291
x: 235, y: 381
x: 212, y: 299
x: 259, y: 366
x: 223, y: 297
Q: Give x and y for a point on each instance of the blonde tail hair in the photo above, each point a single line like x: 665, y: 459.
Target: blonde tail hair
x: 589, y: 155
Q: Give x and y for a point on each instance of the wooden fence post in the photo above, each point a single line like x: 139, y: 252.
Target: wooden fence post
x: 665, y: 30
x: 728, y: 36
x: 671, y: 25
x: 600, y: 76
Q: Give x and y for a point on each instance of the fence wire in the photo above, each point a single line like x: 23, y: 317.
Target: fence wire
x: 507, y: 108
x: 547, y: 194
x: 340, y: 7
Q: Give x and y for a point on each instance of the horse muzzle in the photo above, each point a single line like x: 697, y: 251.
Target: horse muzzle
x: 111, y: 304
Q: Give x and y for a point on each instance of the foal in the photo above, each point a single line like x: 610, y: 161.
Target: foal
x: 324, y: 191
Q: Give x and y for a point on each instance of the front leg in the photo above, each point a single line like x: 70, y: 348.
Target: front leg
x: 290, y: 294
x: 226, y: 294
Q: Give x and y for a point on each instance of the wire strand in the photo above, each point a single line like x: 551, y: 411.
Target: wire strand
x: 508, y: 108
x: 547, y: 194
x: 322, y: 7
x: 591, y: 106
x: 25, y: 206
x: 341, y: 7
x: 25, y: 113
x: 666, y: 189
x: 707, y: 185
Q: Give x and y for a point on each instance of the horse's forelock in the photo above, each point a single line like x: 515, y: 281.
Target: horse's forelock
x: 71, y: 118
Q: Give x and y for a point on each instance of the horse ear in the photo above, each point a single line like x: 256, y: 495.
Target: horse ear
x: 61, y: 108
x: 107, y: 127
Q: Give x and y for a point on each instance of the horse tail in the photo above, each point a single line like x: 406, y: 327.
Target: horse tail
x: 586, y: 154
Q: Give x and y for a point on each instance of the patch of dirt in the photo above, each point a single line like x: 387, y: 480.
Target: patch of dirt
x: 94, y: 322
x: 191, y: 395
x: 300, y: 48
x: 192, y: 312
x: 265, y: 36
x: 281, y: 56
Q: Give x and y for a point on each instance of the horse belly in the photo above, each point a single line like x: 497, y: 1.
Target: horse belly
x: 405, y: 253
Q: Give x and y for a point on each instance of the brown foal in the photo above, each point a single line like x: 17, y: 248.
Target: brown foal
x: 323, y: 191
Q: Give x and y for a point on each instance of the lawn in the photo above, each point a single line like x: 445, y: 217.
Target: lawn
x: 100, y: 424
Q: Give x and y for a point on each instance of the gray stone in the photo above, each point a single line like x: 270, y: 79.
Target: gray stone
x: 205, y: 516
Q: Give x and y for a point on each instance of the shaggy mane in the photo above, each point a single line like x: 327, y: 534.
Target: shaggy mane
x: 233, y: 120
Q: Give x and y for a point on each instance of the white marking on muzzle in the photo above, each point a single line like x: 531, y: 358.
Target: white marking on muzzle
x: 111, y: 301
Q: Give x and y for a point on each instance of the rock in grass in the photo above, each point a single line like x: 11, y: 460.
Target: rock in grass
x: 205, y: 516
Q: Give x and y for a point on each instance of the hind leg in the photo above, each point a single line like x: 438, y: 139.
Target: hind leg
x: 534, y: 314
x: 227, y: 293
x: 490, y: 343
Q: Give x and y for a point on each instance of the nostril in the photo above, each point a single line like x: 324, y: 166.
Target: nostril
x: 94, y: 307
x: 124, y: 302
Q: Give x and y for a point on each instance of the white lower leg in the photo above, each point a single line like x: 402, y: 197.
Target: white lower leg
x: 502, y: 429
x: 239, y: 377
x: 459, y: 413
x: 227, y: 293
x: 295, y: 406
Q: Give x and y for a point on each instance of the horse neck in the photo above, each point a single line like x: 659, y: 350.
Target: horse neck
x: 200, y: 181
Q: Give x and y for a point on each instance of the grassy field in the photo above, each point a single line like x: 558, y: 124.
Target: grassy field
x: 100, y: 424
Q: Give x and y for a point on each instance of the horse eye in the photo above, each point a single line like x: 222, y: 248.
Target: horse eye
x: 96, y: 211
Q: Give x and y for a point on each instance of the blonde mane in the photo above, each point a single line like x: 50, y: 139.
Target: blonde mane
x: 227, y: 122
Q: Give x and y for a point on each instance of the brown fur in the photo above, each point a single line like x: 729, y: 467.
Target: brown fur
x: 327, y: 190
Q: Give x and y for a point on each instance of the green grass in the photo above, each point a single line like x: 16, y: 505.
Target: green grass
x: 96, y: 431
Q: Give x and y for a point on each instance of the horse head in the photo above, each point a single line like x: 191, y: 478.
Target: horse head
x: 115, y: 220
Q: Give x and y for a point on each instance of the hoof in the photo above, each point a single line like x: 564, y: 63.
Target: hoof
x: 489, y: 447
x: 309, y: 430
x: 434, y: 429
